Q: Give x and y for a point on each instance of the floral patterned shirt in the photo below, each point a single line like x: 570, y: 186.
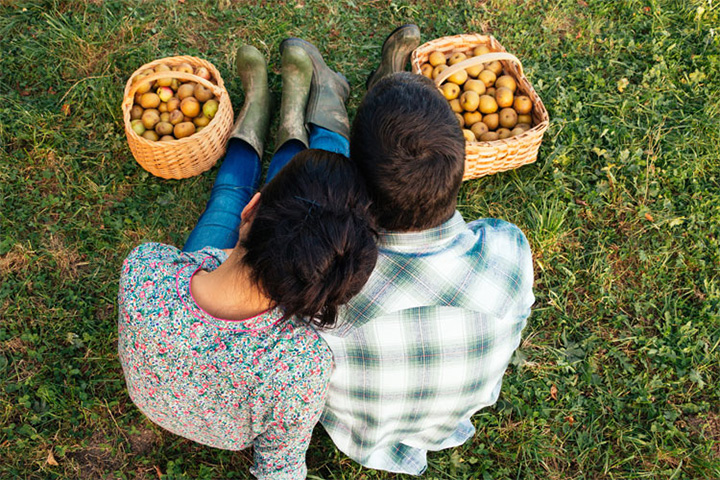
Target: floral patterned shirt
x: 227, y: 384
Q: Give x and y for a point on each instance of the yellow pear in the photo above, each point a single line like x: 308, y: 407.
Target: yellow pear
x: 475, y: 85
x: 437, y: 58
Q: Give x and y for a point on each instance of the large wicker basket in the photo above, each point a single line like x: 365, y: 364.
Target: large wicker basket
x: 486, y: 158
x: 191, y: 155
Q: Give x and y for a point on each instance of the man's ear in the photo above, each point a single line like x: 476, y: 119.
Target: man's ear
x: 249, y: 211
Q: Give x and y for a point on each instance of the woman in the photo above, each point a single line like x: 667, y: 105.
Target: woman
x: 218, y: 345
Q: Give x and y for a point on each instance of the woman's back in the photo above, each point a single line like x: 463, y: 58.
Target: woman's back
x: 223, y: 383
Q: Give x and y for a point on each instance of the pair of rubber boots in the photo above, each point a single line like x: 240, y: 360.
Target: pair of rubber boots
x: 311, y: 93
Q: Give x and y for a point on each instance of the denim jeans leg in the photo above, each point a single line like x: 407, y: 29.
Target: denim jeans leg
x: 324, y: 139
x: 235, y: 184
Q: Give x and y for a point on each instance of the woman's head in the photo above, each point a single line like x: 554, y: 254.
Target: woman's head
x: 311, y: 245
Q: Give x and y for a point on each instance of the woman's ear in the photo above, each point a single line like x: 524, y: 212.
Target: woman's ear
x: 249, y: 211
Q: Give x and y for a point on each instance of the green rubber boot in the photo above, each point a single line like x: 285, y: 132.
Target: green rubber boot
x: 253, y: 120
x: 296, y: 72
x: 328, y: 92
x: 396, y: 52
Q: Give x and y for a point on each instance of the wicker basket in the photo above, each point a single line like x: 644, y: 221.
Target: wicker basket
x: 486, y: 158
x: 189, y: 156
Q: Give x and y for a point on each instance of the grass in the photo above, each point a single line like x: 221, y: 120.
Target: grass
x: 618, y: 371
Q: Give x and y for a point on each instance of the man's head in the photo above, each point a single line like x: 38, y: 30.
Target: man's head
x: 407, y: 143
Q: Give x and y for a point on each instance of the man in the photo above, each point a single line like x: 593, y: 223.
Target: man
x: 425, y: 344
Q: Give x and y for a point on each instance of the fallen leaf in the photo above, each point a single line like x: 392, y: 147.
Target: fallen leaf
x: 649, y: 217
x: 622, y: 84
x: 51, y: 459
x: 570, y: 420
x: 553, y: 392
x: 579, y: 201
x: 65, y: 109
x: 582, y: 3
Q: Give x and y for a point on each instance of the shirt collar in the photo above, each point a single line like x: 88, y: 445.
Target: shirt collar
x: 429, y: 239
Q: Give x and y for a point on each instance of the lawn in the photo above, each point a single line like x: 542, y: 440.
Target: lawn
x: 617, y: 376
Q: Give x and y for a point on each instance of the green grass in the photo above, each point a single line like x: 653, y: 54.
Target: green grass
x: 617, y: 376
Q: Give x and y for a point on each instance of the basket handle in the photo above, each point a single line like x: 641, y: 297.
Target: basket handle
x: 473, y: 61
x: 179, y: 75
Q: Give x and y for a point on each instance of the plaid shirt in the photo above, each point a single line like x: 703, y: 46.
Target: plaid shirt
x: 426, y: 343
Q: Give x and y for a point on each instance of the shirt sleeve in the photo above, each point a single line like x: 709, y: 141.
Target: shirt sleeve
x: 280, y: 450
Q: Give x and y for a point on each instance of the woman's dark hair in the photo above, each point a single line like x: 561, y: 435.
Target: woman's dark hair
x: 311, y: 244
x: 409, y: 147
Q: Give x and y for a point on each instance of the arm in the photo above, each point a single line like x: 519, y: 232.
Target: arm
x: 280, y: 450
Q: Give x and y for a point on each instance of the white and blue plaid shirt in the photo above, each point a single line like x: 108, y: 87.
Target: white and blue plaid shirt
x: 426, y: 343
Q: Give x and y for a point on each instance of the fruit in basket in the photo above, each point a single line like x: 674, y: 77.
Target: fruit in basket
x: 508, y: 117
x: 488, y: 78
x: 471, y: 118
x: 437, y: 58
x: 176, y: 116
x: 203, y: 72
x: 184, y: 129
x: 150, y: 135
x: 150, y: 118
x: 136, y: 112
x: 163, y: 82
x: 492, y: 121
x: 495, y: 67
x: 451, y: 91
x: 173, y: 104
x: 190, y: 107
x: 172, y: 108
x: 186, y: 90
x: 149, y: 100
x: 504, y: 97
x: 184, y: 68
x: 201, y: 93
x: 522, y: 104
x: 517, y: 131
x: 456, y: 58
x: 165, y: 93
x: 138, y: 127
x: 210, y: 108
x: 469, y: 101
x: 455, y: 106
x: 164, y: 128
x: 475, y: 85
x: 506, y: 81
x: 201, y: 121
x: 488, y: 104
x: 458, y: 77
x: 489, y: 136
x: 438, y: 70
x: 503, y: 133
x: 480, y: 50
x: 469, y: 135
x: 479, y: 129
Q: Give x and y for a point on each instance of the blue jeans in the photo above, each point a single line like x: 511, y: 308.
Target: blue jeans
x: 238, y: 180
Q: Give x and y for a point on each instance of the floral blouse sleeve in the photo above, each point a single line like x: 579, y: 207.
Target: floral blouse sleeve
x: 280, y: 451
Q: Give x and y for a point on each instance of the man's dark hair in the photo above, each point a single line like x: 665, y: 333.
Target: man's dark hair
x: 408, y: 145
x: 311, y: 244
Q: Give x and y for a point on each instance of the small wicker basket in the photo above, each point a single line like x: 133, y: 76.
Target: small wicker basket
x: 189, y: 156
x: 486, y: 158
